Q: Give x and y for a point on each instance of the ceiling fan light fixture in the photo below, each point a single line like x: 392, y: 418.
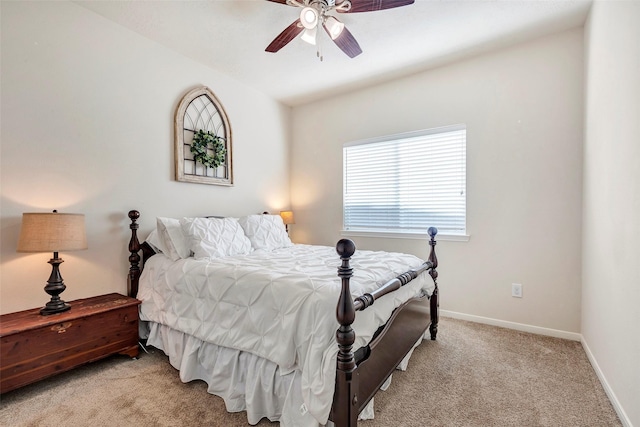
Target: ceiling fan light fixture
x: 314, y: 13
x: 309, y: 35
x: 309, y: 17
x: 334, y: 27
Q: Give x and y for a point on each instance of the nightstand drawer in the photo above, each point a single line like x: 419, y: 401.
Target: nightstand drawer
x: 45, y: 345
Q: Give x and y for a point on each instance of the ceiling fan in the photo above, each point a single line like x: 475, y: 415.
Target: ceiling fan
x: 315, y: 13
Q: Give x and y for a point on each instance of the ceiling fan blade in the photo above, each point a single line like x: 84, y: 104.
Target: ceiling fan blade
x: 373, y: 5
x: 285, y: 37
x: 346, y: 42
x: 278, y: 1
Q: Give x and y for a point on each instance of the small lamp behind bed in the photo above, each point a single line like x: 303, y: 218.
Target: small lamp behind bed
x: 287, y: 218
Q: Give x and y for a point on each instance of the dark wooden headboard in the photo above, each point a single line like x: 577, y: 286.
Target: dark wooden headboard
x: 136, y: 262
x: 135, y: 269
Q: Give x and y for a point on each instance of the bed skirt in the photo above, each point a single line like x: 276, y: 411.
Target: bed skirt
x: 244, y: 381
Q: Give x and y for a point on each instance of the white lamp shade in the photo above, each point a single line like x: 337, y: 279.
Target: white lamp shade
x: 309, y: 35
x: 334, y: 27
x: 309, y: 17
x: 52, y: 232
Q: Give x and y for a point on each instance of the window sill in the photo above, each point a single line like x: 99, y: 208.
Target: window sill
x: 418, y: 236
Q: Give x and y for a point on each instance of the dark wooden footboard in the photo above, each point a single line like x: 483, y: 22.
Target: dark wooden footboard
x: 356, y: 384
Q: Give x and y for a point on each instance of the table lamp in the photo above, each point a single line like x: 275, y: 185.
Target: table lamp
x: 53, y: 232
x: 287, y: 218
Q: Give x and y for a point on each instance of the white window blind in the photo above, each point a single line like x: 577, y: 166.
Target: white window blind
x: 407, y: 183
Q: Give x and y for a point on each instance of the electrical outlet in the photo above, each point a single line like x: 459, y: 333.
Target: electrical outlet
x: 516, y: 290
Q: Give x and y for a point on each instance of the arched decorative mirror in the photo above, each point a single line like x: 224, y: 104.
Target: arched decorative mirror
x: 203, y: 150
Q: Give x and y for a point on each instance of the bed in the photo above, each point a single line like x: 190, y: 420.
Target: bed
x: 269, y: 325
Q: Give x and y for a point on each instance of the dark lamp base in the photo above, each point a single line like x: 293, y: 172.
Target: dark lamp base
x: 53, y: 308
x: 55, y: 286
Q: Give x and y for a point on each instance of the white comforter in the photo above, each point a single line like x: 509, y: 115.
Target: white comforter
x: 278, y: 305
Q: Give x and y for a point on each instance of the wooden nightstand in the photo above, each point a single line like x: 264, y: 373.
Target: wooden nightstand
x: 34, y: 347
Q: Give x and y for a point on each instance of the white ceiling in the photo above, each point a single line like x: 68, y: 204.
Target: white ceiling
x: 231, y: 35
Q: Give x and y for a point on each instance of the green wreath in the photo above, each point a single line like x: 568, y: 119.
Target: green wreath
x: 204, y: 141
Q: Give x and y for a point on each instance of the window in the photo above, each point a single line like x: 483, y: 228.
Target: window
x: 200, y: 110
x: 407, y: 183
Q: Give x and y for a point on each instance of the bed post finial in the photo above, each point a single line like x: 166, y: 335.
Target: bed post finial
x: 134, y: 258
x: 345, y: 399
x: 435, y: 303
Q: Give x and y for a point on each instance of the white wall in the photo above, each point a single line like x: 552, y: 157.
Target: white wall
x: 87, y: 127
x: 523, y: 108
x: 611, y: 235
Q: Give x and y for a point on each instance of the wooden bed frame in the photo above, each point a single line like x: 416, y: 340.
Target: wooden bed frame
x: 358, y: 378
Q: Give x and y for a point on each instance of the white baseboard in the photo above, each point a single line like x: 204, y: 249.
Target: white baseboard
x: 513, y: 325
x: 624, y: 419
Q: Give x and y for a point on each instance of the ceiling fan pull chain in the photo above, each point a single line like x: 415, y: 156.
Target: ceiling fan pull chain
x: 319, y: 43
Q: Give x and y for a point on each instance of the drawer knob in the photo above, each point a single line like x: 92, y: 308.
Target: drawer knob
x: 61, y: 328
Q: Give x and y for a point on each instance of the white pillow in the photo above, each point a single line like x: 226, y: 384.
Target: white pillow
x: 154, y: 240
x: 215, y: 237
x: 265, y: 232
x: 174, y: 241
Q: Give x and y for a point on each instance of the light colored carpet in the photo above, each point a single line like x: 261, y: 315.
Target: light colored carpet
x: 473, y: 375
